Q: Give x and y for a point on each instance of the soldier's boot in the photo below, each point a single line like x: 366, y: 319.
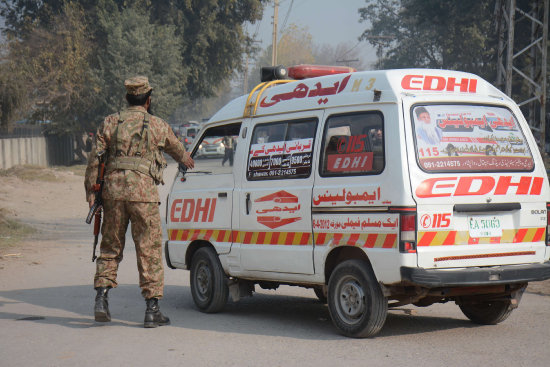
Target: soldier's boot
x: 153, y: 316
x: 101, y: 309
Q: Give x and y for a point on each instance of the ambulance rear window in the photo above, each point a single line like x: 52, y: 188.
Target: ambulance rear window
x: 469, y: 138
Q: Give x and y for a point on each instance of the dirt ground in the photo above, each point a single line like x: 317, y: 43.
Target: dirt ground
x: 45, y: 203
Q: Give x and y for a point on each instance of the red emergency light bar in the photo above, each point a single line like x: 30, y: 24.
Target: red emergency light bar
x: 305, y: 71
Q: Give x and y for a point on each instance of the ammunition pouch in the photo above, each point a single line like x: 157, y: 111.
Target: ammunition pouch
x: 157, y: 167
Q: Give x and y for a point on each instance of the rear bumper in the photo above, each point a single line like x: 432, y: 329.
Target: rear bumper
x: 506, y: 274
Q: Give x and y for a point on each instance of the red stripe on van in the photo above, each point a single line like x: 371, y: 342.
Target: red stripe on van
x: 221, y: 235
x: 539, y: 235
x: 289, y: 238
x: 520, y: 235
x: 450, y: 239
x: 337, y: 238
x: 390, y: 240
x: 371, y: 240
x: 353, y: 239
x: 275, y: 238
x: 321, y: 237
x: 247, y: 237
x: 305, y: 239
x: 426, y: 238
x: 208, y: 234
x: 261, y: 238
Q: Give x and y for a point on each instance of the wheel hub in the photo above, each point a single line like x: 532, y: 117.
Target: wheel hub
x: 203, y: 279
x: 352, y: 300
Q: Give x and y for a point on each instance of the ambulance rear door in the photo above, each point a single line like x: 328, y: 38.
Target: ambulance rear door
x: 478, y: 180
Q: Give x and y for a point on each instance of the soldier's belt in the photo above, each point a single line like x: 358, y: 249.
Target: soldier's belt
x: 139, y: 164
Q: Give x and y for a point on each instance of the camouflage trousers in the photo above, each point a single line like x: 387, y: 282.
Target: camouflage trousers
x: 147, y: 236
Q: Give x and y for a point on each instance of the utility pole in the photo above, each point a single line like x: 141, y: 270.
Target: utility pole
x: 245, y: 81
x: 532, y: 53
x: 274, y: 43
x: 381, y: 42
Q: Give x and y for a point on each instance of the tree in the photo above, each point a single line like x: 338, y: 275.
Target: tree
x: 295, y: 47
x: 134, y: 46
x: 446, y: 34
x: 51, y: 65
x: 206, y: 39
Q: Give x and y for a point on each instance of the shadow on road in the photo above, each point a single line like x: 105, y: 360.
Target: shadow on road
x: 262, y: 314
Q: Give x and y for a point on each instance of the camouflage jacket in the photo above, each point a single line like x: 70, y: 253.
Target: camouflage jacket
x: 122, y: 184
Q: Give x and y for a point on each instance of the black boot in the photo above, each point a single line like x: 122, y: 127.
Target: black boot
x: 153, y: 316
x: 101, y: 309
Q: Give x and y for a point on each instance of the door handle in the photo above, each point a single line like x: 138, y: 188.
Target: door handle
x: 247, y: 203
x: 222, y: 194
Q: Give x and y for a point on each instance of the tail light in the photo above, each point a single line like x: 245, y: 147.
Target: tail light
x: 407, y: 233
x: 407, y: 228
x: 547, y: 224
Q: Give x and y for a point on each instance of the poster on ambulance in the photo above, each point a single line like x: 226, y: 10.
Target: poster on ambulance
x: 469, y: 138
x: 280, y: 159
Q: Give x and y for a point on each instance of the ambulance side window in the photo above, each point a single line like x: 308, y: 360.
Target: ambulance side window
x: 215, y: 150
x: 281, y: 150
x: 353, y: 144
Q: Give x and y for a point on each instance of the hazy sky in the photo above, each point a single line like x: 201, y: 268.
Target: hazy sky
x: 328, y: 21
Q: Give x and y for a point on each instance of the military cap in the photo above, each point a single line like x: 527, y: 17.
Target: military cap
x: 137, y: 85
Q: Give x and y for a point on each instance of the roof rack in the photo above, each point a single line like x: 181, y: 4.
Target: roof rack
x: 252, y: 105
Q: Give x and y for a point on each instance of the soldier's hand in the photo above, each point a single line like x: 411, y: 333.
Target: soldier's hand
x: 188, y: 161
x: 91, y: 202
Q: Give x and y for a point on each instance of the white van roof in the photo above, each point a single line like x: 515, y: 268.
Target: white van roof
x: 356, y: 88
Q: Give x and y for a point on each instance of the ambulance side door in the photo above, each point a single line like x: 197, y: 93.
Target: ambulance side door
x: 201, y: 200
x: 275, y: 232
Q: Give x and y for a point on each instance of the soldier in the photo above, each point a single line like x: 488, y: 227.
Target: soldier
x: 131, y: 143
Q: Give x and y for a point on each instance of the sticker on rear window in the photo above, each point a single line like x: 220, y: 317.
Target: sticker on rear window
x: 469, y: 138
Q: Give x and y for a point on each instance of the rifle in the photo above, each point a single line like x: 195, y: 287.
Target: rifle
x: 97, y: 207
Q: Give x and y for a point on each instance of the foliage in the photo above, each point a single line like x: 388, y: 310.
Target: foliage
x: 446, y: 34
x: 133, y: 46
x: 295, y: 47
x: 11, y: 230
x: 187, y: 48
x: 13, y: 95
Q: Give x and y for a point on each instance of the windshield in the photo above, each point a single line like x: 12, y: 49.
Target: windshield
x: 469, y: 138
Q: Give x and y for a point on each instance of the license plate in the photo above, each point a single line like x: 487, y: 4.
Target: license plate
x: 485, y: 226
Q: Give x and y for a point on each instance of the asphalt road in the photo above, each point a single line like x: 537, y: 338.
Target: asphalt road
x: 46, y: 319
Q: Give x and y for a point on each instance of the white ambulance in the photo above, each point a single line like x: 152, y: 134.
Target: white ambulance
x: 377, y: 189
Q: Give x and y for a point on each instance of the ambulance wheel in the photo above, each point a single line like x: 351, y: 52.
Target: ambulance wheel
x: 356, y: 303
x: 321, y: 293
x: 488, y: 312
x: 208, y: 281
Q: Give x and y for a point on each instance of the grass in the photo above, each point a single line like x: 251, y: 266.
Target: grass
x: 37, y: 173
x: 12, y: 231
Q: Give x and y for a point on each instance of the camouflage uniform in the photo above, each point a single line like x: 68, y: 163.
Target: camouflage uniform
x: 130, y: 195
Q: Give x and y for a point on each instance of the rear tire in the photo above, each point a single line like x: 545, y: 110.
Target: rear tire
x: 356, y: 303
x: 488, y: 312
x: 208, y: 281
